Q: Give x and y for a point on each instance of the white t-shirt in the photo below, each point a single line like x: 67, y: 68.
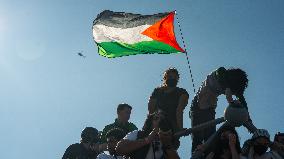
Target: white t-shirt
x: 132, y: 136
x: 107, y: 156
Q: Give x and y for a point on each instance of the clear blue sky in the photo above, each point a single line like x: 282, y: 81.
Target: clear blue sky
x: 48, y: 94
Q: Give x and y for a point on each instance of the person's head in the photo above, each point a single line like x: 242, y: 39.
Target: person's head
x: 123, y: 112
x: 113, y: 136
x: 237, y: 80
x: 260, y: 141
x: 171, y: 77
x: 89, y: 135
x: 279, y: 137
x: 222, y: 144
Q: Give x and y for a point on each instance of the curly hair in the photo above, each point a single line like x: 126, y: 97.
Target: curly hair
x: 170, y: 70
x: 237, y: 80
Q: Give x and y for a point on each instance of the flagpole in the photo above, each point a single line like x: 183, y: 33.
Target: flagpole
x: 186, y: 54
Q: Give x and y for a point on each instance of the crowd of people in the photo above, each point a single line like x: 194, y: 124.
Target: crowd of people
x: 157, y: 140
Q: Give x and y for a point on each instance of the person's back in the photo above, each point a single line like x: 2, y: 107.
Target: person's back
x: 78, y: 151
x: 221, y: 81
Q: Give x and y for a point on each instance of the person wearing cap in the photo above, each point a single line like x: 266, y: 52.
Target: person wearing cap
x: 87, y: 148
x: 257, y: 146
x: 113, y: 136
x: 122, y: 121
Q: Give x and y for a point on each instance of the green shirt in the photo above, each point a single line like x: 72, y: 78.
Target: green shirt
x: 128, y: 127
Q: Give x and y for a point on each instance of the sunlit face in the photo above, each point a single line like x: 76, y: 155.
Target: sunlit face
x: 124, y: 114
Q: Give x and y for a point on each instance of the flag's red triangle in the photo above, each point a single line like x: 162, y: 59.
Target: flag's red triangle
x: 163, y: 31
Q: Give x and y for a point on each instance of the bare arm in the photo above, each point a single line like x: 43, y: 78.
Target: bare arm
x: 152, y: 105
x: 124, y: 146
x: 183, y: 100
x: 232, y: 144
x: 229, y: 95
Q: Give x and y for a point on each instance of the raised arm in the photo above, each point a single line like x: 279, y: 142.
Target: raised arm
x: 130, y: 143
x: 125, y: 146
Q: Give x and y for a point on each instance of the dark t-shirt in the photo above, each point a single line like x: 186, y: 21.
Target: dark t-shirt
x: 78, y: 151
x: 168, y: 102
x: 128, y: 127
x: 213, y: 86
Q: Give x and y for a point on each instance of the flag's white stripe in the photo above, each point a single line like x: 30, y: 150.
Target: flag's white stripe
x: 133, y: 35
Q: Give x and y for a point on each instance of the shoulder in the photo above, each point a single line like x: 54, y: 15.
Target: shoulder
x: 157, y: 91
x: 182, y: 91
x: 74, y: 146
x: 132, y: 126
x: 109, y: 126
x: 131, y: 135
x: 71, y: 150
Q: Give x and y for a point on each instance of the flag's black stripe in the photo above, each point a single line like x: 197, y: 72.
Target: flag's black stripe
x: 126, y: 20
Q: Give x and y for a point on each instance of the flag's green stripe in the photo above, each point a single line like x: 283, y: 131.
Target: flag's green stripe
x: 115, y: 49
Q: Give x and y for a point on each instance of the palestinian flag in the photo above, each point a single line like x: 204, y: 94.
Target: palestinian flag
x: 121, y: 34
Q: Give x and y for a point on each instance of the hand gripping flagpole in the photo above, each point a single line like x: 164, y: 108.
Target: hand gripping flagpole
x: 183, y: 42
